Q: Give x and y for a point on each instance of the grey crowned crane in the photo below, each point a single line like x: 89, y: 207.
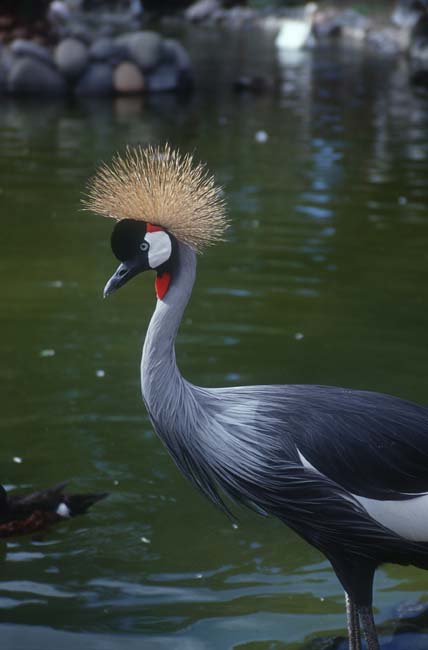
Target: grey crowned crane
x: 346, y: 469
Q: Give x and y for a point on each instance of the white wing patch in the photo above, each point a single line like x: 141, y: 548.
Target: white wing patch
x: 408, y: 518
x: 160, y: 248
x: 63, y: 510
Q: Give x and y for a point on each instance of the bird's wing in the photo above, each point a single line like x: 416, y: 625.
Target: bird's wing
x: 324, y: 458
x: 371, y: 444
x: 46, y: 499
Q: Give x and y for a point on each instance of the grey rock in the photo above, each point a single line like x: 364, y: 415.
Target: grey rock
x: 71, y: 56
x: 128, y: 78
x: 97, y: 81
x: 349, y: 23
x: 103, y: 49
x: 407, y: 13
x: 6, y: 61
x: 32, y: 77
x: 81, y: 32
x: 202, y: 10
x: 418, y: 46
x: 106, y: 49
x: 24, y: 47
x: 164, y: 78
x: 174, y: 52
x: 3, y: 80
x: 106, y: 31
x: 144, y: 48
x: 354, y: 25
x: 327, y: 643
x: 388, y: 41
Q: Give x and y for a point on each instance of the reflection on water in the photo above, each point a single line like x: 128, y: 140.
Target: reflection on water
x: 322, y: 281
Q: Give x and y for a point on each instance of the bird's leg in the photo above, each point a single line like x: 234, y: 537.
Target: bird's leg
x: 353, y: 624
x: 369, y: 628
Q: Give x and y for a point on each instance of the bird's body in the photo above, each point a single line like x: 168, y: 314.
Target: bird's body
x: 346, y: 469
x: 36, y: 511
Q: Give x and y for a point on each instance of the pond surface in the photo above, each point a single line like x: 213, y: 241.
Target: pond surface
x: 323, y: 280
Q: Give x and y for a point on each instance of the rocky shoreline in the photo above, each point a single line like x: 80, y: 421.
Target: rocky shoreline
x: 109, y: 54
x: 130, y: 63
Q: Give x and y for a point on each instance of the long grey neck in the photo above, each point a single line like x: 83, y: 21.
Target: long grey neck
x: 161, y: 381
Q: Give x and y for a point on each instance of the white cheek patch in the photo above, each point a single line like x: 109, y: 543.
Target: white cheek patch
x: 160, y: 248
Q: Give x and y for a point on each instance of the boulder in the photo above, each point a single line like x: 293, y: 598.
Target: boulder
x: 388, y: 41
x: 128, y: 78
x: 106, y: 49
x: 80, y: 32
x: 164, y: 78
x: 418, y: 45
x: 7, y: 59
x: 202, y: 10
x: 3, y: 80
x: 97, y: 81
x: 23, y: 47
x: 33, y: 77
x: 174, y: 52
x: 144, y: 48
x: 71, y: 56
x: 407, y: 13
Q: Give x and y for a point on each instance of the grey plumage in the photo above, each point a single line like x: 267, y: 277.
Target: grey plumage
x: 345, y: 469
x: 244, y: 442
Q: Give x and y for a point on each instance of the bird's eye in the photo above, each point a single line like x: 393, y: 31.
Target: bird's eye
x: 144, y: 246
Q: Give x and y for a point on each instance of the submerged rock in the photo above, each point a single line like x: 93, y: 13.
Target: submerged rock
x: 33, y: 77
x: 327, y: 643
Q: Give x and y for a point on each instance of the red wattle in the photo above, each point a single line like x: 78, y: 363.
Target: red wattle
x: 151, y: 228
x: 162, y: 284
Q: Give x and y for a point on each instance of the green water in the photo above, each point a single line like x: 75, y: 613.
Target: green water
x: 323, y: 280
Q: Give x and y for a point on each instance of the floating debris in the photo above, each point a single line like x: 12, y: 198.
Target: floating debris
x: 299, y: 336
x: 17, y: 459
x: 100, y: 373
x: 47, y: 353
x: 402, y: 200
x: 145, y: 540
x: 261, y: 136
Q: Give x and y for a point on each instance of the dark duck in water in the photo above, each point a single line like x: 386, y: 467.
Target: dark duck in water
x: 23, y: 514
x: 346, y: 469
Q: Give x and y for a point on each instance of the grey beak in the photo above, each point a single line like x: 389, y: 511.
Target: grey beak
x: 123, y: 273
